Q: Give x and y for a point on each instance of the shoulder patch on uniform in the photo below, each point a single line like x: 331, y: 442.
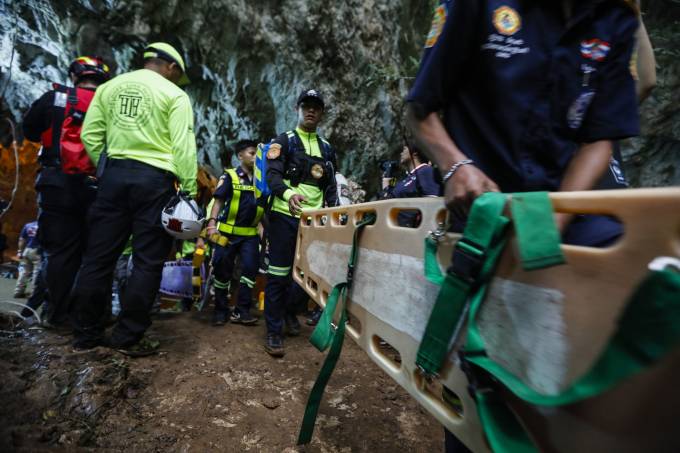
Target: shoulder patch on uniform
x: 594, y: 49
x: 438, y: 21
x: 60, y: 99
x: 274, y: 151
x: 220, y: 182
x: 506, y: 20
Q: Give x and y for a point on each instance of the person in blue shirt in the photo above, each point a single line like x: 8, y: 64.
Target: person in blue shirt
x: 29, y: 253
x: 523, y: 95
x: 420, y: 181
x: 236, y: 214
x: 532, y: 94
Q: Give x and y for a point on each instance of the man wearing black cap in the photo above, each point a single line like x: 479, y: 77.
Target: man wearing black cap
x: 301, y: 175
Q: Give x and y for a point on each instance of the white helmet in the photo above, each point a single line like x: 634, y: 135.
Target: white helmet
x: 182, y: 218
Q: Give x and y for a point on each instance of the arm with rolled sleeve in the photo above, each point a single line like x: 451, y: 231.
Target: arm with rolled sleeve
x: 613, y: 114
x: 93, y: 134
x: 181, y: 127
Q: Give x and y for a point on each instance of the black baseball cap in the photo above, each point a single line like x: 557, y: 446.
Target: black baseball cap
x: 311, y: 94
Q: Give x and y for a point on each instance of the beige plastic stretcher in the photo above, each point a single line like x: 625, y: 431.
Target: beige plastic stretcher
x: 547, y: 326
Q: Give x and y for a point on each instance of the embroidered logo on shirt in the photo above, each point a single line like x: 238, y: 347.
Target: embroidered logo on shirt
x: 506, y: 20
x: 594, y: 49
x: 438, y: 22
x: 578, y: 109
x: 274, y: 151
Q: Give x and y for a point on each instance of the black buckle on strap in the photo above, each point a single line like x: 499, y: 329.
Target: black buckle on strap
x: 350, y: 274
x: 477, y: 382
x: 468, y: 259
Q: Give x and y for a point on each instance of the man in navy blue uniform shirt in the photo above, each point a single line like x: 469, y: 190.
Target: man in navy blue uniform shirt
x: 533, y: 94
x: 238, y: 213
x: 420, y: 181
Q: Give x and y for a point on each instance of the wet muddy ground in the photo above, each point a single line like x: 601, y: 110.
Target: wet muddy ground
x: 209, y: 389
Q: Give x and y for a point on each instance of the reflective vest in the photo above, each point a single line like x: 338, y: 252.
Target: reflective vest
x: 229, y: 226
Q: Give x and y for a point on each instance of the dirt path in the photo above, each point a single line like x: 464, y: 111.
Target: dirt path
x: 210, y: 389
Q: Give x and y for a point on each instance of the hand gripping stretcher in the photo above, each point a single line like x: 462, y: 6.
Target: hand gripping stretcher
x: 547, y: 326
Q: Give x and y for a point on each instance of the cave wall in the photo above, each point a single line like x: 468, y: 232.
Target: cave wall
x: 653, y: 159
x: 248, y: 60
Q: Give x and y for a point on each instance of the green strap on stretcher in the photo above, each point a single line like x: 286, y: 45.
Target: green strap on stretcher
x: 648, y: 329
x: 478, y: 237
x: 326, y: 335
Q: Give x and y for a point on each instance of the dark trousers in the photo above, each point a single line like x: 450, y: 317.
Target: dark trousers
x: 64, y: 201
x: 247, y: 248
x: 129, y: 201
x: 282, y: 238
x: 40, y: 294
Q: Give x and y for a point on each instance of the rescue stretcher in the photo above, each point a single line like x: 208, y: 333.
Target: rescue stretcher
x: 547, y: 326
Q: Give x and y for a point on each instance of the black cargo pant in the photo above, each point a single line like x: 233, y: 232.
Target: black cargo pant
x: 64, y: 201
x: 130, y: 199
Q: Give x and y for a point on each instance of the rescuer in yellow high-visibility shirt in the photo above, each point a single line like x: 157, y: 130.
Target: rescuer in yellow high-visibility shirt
x: 144, y: 121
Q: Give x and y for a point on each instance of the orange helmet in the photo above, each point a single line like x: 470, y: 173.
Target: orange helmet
x: 90, y: 66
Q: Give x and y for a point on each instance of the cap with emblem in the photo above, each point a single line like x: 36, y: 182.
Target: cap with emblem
x: 166, y: 52
x: 310, y: 94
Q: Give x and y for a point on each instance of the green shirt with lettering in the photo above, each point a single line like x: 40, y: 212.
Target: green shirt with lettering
x: 141, y: 115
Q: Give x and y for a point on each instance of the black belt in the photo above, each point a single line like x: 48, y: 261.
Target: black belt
x: 132, y: 164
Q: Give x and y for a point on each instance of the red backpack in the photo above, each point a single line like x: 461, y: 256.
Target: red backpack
x: 72, y: 154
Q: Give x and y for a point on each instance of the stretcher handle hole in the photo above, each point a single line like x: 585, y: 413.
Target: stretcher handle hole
x: 360, y: 215
x: 312, y: 286
x: 405, y: 217
x: 388, y: 353
x: 339, y: 219
x: 439, y: 395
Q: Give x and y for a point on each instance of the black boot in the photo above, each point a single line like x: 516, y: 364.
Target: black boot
x: 221, y: 314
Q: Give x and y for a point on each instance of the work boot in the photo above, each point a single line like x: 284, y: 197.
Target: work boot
x: 314, y: 316
x: 63, y: 329
x: 221, y: 315
x: 274, y: 345
x: 19, y: 294
x: 86, y: 343
x: 220, y: 318
x: 243, y: 318
x: 143, y: 348
x: 292, y: 324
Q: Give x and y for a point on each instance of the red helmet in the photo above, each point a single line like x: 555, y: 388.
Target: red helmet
x: 90, y: 66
